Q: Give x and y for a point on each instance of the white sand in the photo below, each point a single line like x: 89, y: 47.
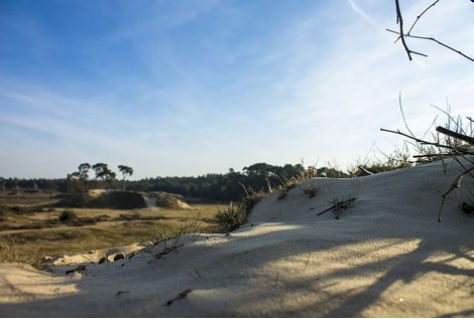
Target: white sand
x: 385, y: 257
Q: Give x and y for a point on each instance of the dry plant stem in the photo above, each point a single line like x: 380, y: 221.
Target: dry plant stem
x: 417, y: 139
x: 338, y: 205
x: 423, y: 142
x: 449, y: 116
x: 363, y: 169
x: 245, y: 189
x: 403, y: 113
x: 459, y: 136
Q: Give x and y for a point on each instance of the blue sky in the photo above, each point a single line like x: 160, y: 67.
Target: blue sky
x: 185, y: 88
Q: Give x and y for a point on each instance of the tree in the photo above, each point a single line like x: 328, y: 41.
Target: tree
x: 126, y: 171
x: 103, y: 172
x: 77, y: 181
x: 73, y: 184
x: 84, y: 171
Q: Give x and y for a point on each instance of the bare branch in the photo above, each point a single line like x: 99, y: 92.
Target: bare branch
x: 423, y: 142
x: 459, y: 136
x: 400, y: 23
x: 412, y: 52
x: 402, y: 35
x: 442, y: 44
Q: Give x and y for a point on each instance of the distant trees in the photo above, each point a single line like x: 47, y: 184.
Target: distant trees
x: 103, y: 172
x: 78, y: 181
x: 205, y: 188
x: 222, y: 187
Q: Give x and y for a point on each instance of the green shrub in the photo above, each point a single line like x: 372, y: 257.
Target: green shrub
x: 68, y: 215
x: 118, y: 200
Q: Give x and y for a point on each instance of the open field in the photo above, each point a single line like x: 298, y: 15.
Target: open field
x: 30, y: 228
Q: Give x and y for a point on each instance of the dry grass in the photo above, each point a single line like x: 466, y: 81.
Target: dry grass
x: 310, y: 191
x: 31, y: 245
x: 232, y: 217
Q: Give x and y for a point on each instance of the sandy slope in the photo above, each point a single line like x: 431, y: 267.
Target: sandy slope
x: 386, y: 256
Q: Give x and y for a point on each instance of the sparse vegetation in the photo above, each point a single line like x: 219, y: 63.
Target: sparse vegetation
x: 290, y: 184
x: 31, y: 220
x: 9, y: 253
x: 457, y: 142
x: 339, y: 203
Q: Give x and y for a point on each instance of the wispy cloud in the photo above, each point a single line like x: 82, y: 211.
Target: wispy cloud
x: 183, y: 88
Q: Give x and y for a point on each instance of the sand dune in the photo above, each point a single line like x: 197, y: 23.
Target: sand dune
x: 387, y: 256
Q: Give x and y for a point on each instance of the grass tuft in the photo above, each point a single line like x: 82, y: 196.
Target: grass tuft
x: 309, y: 191
x: 232, y: 217
x: 10, y: 254
x: 282, y: 193
x: 342, y: 202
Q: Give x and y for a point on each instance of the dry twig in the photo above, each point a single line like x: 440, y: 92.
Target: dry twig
x: 403, y: 35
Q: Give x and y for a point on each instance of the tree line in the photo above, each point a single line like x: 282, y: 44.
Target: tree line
x: 78, y: 181
x: 209, y: 187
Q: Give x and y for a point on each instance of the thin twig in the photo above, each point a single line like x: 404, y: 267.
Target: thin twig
x: 418, y: 17
x: 431, y: 39
x: 442, y: 44
x: 450, y: 117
